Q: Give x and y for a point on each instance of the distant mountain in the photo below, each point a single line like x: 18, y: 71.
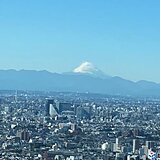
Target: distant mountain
x: 74, y: 82
x: 88, y: 68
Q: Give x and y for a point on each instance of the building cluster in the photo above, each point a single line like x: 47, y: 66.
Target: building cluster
x: 74, y: 126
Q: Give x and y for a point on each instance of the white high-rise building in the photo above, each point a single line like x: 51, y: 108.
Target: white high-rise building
x: 135, y: 145
x: 52, y: 110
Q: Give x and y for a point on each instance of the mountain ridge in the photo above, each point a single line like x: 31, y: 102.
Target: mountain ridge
x: 48, y: 81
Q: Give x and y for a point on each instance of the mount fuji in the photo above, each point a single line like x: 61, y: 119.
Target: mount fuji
x: 88, y: 69
x: 84, y: 78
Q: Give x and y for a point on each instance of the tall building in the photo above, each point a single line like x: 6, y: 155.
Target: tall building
x: 135, y: 145
x: 143, y: 152
x: 49, y: 101
x: 51, y: 108
x: 117, y: 144
x: 150, y: 144
x: 64, y: 106
x: 158, y: 154
x: 23, y: 135
x: 83, y: 112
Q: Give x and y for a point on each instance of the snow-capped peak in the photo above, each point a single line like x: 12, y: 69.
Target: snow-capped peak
x: 86, y: 67
x: 89, y: 68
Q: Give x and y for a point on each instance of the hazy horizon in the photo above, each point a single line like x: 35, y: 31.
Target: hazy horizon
x: 121, y: 38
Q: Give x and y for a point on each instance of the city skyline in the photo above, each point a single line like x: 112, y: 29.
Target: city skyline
x: 120, y: 38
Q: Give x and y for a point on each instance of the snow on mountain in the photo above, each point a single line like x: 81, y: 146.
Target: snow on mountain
x: 89, y: 68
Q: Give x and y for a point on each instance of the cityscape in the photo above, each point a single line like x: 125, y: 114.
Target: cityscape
x: 78, y: 126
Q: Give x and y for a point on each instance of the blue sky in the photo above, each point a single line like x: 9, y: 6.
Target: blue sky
x: 121, y: 37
